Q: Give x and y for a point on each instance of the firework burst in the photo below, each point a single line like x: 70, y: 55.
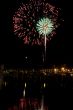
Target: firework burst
x: 45, y: 26
x: 35, y: 19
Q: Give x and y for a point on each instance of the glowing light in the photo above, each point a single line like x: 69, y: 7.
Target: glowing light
x: 26, y: 57
x: 25, y: 84
x: 68, y: 70
x: 44, y: 73
x: 55, y: 70
x: 44, y: 85
x: 45, y: 26
x: 63, y: 69
x: 71, y: 75
x: 24, y: 93
x: 5, y: 83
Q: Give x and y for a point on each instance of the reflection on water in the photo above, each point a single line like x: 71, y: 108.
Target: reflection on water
x: 36, y: 92
x: 29, y: 104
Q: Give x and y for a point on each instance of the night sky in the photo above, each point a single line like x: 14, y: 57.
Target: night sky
x: 14, y: 52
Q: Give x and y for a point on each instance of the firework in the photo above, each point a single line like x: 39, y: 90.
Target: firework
x: 34, y: 21
x: 45, y: 26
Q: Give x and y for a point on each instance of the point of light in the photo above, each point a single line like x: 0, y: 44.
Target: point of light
x: 24, y: 93
x: 63, y: 69
x: 44, y: 85
x: 26, y: 57
x: 25, y: 84
x: 55, y: 70
x: 5, y: 83
x: 44, y: 26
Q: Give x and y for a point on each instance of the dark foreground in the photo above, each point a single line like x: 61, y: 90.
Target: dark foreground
x: 30, y: 91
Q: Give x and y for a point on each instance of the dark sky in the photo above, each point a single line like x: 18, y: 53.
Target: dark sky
x: 12, y: 51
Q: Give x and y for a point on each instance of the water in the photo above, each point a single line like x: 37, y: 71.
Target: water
x: 56, y: 94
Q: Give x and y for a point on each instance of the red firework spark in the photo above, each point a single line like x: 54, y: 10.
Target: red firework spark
x: 26, y: 17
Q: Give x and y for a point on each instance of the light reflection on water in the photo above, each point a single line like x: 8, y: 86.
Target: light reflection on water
x: 52, y: 88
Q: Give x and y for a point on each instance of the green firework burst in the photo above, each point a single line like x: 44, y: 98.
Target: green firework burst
x: 45, y: 26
